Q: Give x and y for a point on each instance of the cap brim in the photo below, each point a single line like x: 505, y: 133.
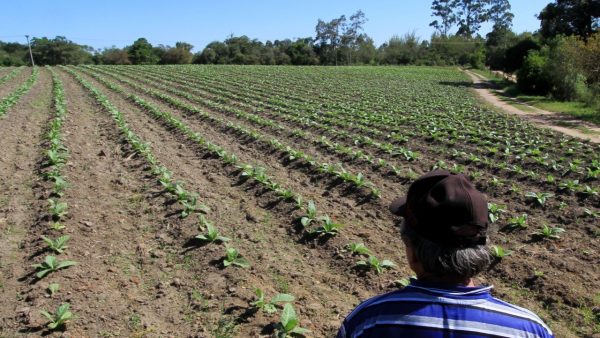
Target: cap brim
x: 398, y: 206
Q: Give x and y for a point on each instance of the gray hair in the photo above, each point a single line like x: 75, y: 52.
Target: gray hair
x: 442, y: 261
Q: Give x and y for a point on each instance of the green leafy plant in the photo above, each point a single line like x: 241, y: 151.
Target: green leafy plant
x: 56, y: 157
x: 233, y: 257
x: 539, y: 197
x: 57, y: 209
x: 569, y: 185
x: 212, y: 234
x: 591, y: 213
x: 589, y: 191
x: 60, y: 185
x: 374, y: 263
x: 328, y: 227
x: 358, y: 249
x: 404, y: 282
x: 51, y: 264
x: 518, y: 222
x: 311, y: 214
x: 53, y: 289
x: 499, y: 252
x: 549, y: 232
x: 289, y: 324
x: 59, y: 244
x: 57, y: 226
x: 59, y: 317
x: 270, y: 306
x: 494, y: 211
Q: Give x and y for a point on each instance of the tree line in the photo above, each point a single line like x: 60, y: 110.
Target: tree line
x: 561, y: 58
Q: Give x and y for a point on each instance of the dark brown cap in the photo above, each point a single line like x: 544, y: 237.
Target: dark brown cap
x: 446, y: 209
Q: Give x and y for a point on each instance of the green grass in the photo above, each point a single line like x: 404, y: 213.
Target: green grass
x: 574, y: 108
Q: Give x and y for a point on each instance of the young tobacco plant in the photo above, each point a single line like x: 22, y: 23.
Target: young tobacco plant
x: 539, y: 197
x: 549, y: 232
x: 57, y: 209
x: 311, y: 214
x: 53, y: 289
x: 519, y: 222
x: 51, y: 264
x: 212, y: 234
x: 499, y: 252
x: 494, y: 211
x: 358, y: 249
x: 374, y: 263
x: 233, y: 257
x: 329, y: 227
x: 58, y: 245
x: 270, y: 307
x: 289, y: 324
x: 59, y: 317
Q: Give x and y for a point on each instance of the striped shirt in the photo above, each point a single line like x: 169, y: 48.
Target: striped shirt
x: 420, y: 310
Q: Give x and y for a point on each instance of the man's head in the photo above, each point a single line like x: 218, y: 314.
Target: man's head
x: 445, y: 225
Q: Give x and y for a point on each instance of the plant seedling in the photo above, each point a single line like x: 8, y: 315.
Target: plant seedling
x: 569, y: 185
x: 404, y: 282
x: 289, y: 323
x: 53, y: 289
x: 190, y: 205
x: 60, y: 184
x: 59, y: 317
x: 311, y: 214
x: 232, y: 257
x: 539, y: 197
x: 211, y: 235
x: 270, y: 307
x: 55, y: 157
x: 51, y: 264
x: 499, y: 252
x: 589, y: 191
x: 358, y: 249
x: 59, y: 244
x: 57, y: 226
x: 374, y: 263
x: 299, y: 201
x: 329, y: 227
x: 518, y: 222
x: 494, y: 211
x: 57, y: 209
x: 549, y: 232
x: 591, y: 213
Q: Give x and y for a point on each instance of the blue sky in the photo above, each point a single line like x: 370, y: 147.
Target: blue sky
x: 102, y: 23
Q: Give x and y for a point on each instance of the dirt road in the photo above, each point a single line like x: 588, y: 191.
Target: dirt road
x: 560, y: 122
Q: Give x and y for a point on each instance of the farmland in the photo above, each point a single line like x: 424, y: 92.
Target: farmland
x: 155, y: 200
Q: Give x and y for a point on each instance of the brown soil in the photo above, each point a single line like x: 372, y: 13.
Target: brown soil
x: 140, y: 272
x: 21, y: 131
x: 14, y: 83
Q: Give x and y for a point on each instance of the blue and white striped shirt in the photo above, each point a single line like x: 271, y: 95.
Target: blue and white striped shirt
x: 420, y: 310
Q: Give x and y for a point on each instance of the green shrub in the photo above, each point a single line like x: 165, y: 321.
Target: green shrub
x: 532, y: 78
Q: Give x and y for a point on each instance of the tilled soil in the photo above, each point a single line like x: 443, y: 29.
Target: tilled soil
x: 14, y: 83
x: 21, y: 131
x: 141, y: 273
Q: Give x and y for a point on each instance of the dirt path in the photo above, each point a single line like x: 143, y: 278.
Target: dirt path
x: 21, y: 132
x: 540, y: 117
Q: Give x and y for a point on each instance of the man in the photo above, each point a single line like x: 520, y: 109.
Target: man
x: 445, y: 234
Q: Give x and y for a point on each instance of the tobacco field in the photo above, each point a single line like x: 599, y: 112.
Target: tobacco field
x: 249, y: 201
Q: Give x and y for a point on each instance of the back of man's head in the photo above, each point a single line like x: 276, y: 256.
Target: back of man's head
x: 445, y: 224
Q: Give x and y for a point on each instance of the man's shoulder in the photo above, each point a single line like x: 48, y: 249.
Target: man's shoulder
x: 430, y: 309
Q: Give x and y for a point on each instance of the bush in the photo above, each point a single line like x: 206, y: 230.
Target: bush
x: 532, y: 78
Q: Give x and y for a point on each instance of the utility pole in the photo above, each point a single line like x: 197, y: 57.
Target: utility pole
x: 30, y: 55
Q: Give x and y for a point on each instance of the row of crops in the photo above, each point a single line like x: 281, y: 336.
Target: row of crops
x: 321, y: 140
